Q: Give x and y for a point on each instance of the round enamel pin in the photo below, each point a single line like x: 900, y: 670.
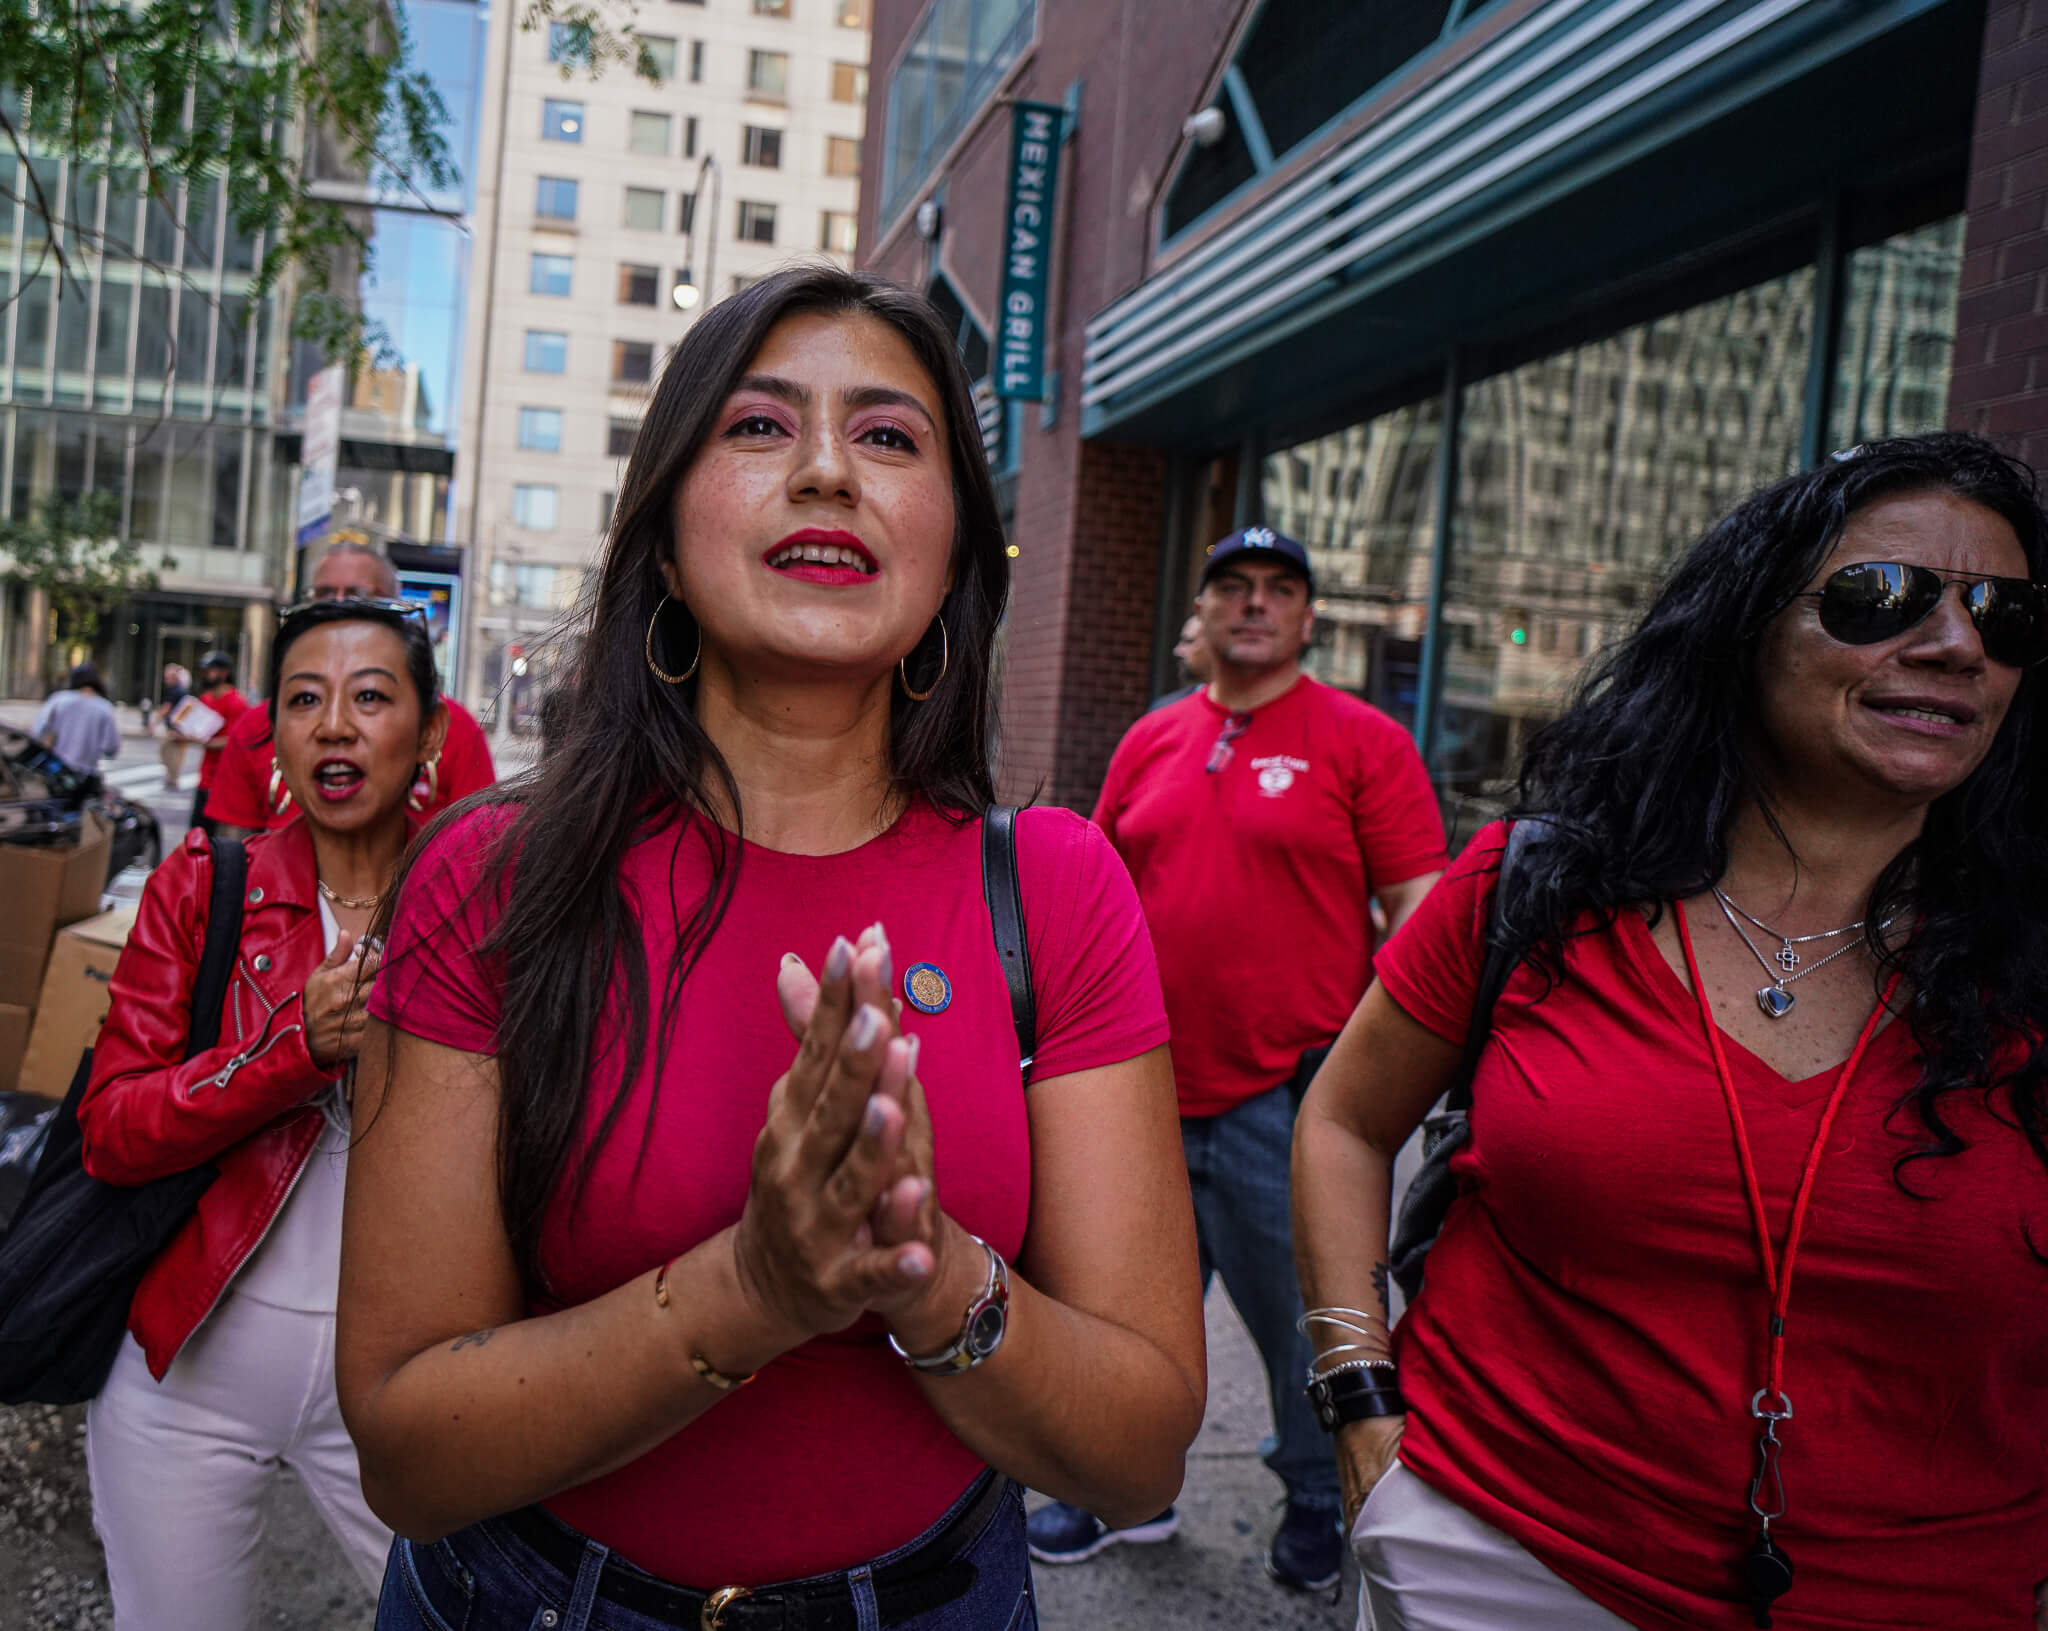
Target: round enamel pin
x: 926, y: 988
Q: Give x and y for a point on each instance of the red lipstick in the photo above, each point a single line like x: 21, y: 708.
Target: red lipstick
x: 823, y: 555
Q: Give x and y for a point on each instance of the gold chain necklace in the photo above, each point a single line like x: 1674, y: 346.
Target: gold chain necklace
x: 349, y: 903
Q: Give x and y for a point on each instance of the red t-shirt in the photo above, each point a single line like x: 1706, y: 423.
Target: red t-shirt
x: 832, y: 1456
x: 1256, y: 877
x: 241, y: 788
x: 1580, y: 1363
x: 232, y: 706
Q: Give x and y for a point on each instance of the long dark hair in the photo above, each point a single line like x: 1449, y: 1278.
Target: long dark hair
x: 626, y: 742
x: 1644, y: 774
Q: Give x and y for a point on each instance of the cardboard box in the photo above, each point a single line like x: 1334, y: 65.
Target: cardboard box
x: 45, y: 888
x: 76, y: 992
x: 14, y: 1029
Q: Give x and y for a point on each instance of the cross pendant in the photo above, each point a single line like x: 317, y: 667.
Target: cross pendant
x: 1787, y: 958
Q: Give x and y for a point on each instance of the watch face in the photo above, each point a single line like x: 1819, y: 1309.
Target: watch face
x: 985, y: 1330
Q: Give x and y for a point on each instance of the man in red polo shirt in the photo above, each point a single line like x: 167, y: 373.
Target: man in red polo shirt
x: 1260, y: 816
x: 246, y: 797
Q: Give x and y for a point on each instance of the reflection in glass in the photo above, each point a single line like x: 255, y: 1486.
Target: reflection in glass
x: 1582, y: 476
x: 227, y: 487
x: 32, y: 325
x: 189, y: 520
x: 33, y: 449
x: 1898, y: 335
x: 153, y: 333
x: 1363, y: 503
x: 152, y: 465
x: 110, y: 344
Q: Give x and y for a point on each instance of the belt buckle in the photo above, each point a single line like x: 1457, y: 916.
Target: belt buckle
x: 712, y: 1617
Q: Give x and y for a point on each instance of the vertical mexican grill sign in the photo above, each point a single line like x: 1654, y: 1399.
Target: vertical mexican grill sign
x: 1027, y: 252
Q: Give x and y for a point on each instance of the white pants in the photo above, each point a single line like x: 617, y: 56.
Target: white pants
x: 1426, y: 1564
x: 183, y: 1471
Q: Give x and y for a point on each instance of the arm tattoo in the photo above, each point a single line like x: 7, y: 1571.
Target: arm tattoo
x: 1379, y: 1285
x: 475, y: 1339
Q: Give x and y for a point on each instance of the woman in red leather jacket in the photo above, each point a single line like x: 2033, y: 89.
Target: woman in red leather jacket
x: 228, y: 1370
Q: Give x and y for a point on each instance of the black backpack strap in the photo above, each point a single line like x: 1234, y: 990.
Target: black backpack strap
x: 1003, y: 892
x: 1499, y: 965
x: 223, y: 943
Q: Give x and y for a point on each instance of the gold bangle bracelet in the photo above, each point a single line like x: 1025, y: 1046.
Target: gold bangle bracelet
x: 698, y: 1363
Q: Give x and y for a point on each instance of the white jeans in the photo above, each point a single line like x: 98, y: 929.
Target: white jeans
x: 1426, y: 1564
x: 183, y: 1471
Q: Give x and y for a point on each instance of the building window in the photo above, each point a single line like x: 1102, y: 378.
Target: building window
x: 742, y: 281
x: 561, y: 121
x: 534, y: 507
x: 837, y: 232
x: 550, y: 274
x: 639, y: 285
x: 771, y: 8
x: 950, y: 68
x: 562, y: 44
x: 648, y: 133
x: 757, y: 222
x: 842, y: 156
x: 632, y: 362
x: 608, y: 503
x: 555, y: 198
x: 1898, y: 335
x: 540, y: 429
x: 696, y: 62
x: 690, y: 137
x: 623, y: 434
x: 760, y: 146
x: 661, y: 53
x: 852, y: 13
x: 547, y: 351
x: 645, y: 208
x: 849, y: 82
x: 686, y: 213
x: 768, y: 75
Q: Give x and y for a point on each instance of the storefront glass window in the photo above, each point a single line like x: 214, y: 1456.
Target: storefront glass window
x: 958, y: 51
x: 1363, y: 503
x: 1898, y: 335
x: 1582, y: 476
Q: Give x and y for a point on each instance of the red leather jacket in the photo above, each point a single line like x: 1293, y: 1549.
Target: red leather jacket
x: 243, y: 1105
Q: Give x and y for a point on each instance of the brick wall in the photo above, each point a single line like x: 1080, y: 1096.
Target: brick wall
x: 2000, y: 384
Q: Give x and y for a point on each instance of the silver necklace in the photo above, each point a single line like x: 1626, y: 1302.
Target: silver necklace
x: 1787, y: 965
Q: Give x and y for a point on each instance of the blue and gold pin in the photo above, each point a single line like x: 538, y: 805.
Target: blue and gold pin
x: 926, y: 988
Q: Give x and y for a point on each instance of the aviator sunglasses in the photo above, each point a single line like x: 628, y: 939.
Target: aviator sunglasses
x: 1875, y: 600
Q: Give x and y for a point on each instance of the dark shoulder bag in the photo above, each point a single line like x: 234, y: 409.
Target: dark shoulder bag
x: 1429, y: 1197
x: 77, y: 1249
x: 1005, y: 897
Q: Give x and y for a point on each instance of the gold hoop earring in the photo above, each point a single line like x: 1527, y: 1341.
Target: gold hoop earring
x: 945, y: 658
x: 280, y: 795
x: 659, y: 672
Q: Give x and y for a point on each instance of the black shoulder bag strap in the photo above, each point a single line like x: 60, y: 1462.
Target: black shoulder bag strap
x: 1494, y: 972
x: 1001, y: 889
x: 223, y: 943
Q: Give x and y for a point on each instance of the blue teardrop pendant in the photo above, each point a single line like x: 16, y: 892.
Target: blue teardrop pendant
x: 1775, y: 1001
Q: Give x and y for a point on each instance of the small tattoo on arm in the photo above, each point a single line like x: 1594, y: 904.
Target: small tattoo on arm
x: 1379, y: 1285
x: 475, y: 1339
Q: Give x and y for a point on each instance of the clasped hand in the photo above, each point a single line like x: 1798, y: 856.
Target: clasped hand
x: 334, y: 998
x: 841, y: 1217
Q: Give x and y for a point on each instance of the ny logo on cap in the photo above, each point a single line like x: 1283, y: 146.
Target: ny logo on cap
x: 1258, y: 537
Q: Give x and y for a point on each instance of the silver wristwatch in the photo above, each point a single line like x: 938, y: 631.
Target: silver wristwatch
x: 981, y: 1332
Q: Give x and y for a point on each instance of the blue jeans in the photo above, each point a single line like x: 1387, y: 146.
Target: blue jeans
x: 484, y: 1578
x: 1238, y: 1168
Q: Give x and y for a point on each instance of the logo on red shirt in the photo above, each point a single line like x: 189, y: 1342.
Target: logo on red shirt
x: 1277, y: 772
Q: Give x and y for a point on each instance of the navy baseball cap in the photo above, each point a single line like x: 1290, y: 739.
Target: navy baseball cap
x: 1258, y: 544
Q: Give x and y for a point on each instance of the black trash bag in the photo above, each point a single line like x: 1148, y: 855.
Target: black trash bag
x: 24, y: 1122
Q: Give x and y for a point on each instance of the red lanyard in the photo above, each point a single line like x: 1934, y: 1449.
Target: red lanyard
x: 1779, y: 1284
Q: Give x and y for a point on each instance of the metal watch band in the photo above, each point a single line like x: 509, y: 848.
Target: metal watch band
x: 981, y: 1329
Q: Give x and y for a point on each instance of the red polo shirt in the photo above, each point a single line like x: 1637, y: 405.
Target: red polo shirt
x: 1256, y: 877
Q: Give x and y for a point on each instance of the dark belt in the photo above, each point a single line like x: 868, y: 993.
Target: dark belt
x: 935, y: 1574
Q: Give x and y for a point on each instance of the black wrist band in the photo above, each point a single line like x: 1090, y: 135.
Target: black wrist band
x: 1350, y: 1396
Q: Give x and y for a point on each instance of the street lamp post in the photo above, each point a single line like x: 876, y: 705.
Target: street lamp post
x: 689, y: 292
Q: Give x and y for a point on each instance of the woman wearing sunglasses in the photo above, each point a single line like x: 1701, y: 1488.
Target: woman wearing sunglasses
x: 229, y: 1366
x: 1736, y: 1318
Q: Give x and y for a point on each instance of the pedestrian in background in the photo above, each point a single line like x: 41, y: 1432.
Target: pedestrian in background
x: 1260, y: 816
x: 1745, y: 1264
x: 228, y: 1369
x: 1191, y: 658
x: 171, y: 746
x: 78, y: 724
x: 649, y: 1310
x: 248, y: 793
x: 217, y: 691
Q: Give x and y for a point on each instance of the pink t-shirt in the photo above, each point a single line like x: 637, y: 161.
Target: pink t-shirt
x: 832, y: 1456
x: 1579, y: 1365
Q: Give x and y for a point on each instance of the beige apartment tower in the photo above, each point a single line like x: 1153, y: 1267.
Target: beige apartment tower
x: 597, y: 198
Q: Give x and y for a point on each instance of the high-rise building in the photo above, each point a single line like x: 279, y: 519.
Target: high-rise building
x: 598, y: 198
